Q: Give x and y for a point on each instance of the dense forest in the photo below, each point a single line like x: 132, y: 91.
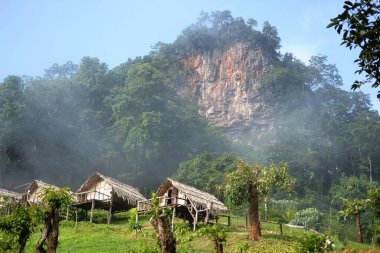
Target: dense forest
x: 131, y: 122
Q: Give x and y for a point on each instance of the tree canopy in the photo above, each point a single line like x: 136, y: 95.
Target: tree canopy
x: 359, y: 25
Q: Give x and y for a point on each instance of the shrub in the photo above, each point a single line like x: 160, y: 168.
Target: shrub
x: 315, y: 243
x: 309, y: 217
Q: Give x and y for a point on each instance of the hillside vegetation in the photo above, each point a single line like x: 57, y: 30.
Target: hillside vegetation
x: 135, y: 122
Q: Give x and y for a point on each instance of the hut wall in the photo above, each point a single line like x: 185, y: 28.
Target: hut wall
x: 35, y: 196
x: 175, y: 195
x: 100, y: 191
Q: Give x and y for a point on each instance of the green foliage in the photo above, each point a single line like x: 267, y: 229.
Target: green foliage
x: 236, y: 186
x: 309, y: 217
x: 282, y: 211
x: 154, y: 208
x: 374, y: 201
x: 205, y: 171
x: 184, y: 236
x: 352, y: 207
x: 215, y: 233
x: 351, y: 187
x: 242, y: 247
x: 221, y: 30
x: 270, y: 179
x: 56, y: 198
x: 132, y: 220
x: 315, y: 243
x: 18, y: 226
x: 359, y: 25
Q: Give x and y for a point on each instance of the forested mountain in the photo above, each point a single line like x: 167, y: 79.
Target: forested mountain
x: 222, y: 86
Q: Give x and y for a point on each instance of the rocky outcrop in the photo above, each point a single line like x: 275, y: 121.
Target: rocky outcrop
x: 226, y: 85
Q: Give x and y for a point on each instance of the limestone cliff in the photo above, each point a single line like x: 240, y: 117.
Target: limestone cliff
x: 226, y: 83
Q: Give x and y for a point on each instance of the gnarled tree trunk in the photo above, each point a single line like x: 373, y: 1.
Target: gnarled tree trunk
x: 45, y: 233
x: 253, y: 213
x: 53, y: 237
x: 165, y: 236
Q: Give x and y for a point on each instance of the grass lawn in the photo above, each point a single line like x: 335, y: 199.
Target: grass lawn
x: 85, y: 237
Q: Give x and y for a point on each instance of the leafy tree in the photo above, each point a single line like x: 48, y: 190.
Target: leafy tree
x: 12, y: 112
x: 359, y: 24
x: 351, y: 187
x: 249, y: 183
x: 217, y: 234
x: 54, y: 201
x: 374, y: 197
x: 322, y: 73
x: 61, y: 71
x: 354, y: 207
x: 205, y: 171
x: 19, y: 225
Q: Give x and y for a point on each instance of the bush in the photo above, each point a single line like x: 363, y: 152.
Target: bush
x: 309, y: 217
x: 315, y: 243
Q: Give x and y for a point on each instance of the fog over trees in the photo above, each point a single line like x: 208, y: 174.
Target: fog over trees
x: 131, y: 123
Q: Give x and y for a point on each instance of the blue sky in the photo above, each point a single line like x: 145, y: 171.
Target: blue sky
x: 36, y: 34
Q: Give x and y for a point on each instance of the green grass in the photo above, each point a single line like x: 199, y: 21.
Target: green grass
x: 86, y: 237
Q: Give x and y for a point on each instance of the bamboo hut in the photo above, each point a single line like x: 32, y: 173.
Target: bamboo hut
x: 101, y: 192
x: 34, y: 191
x: 7, y: 198
x: 187, y: 202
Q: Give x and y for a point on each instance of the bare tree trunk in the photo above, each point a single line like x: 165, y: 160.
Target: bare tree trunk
x: 45, y: 233
x: 218, y: 246
x: 165, y: 236
x: 253, y: 213
x: 359, y: 227
x: 370, y: 168
x: 53, y: 237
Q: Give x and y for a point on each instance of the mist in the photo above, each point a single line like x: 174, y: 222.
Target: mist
x: 136, y: 122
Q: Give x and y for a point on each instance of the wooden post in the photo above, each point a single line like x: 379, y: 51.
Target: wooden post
x: 207, y: 215
x: 195, y: 220
x: 173, y: 219
x: 228, y: 220
x: 109, y: 216
x: 67, y: 213
x: 92, y: 209
x: 137, y: 218
x: 76, y: 217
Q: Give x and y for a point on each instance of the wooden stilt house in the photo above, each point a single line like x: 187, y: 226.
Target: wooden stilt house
x: 186, y: 201
x: 7, y: 198
x: 34, y: 191
x: 101, y: 192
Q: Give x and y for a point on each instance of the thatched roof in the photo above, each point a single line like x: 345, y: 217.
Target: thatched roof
x: 198, y: 197
x: 123, y: 191
x: 14, y: 195
x: 35, y: 184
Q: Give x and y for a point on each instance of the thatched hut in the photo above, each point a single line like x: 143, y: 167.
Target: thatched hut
x: 34, y: 191
x: 7, y: 198
x: 101, y: 192
x: 187, y: 202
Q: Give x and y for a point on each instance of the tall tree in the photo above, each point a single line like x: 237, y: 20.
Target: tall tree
x: 249, y: 183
